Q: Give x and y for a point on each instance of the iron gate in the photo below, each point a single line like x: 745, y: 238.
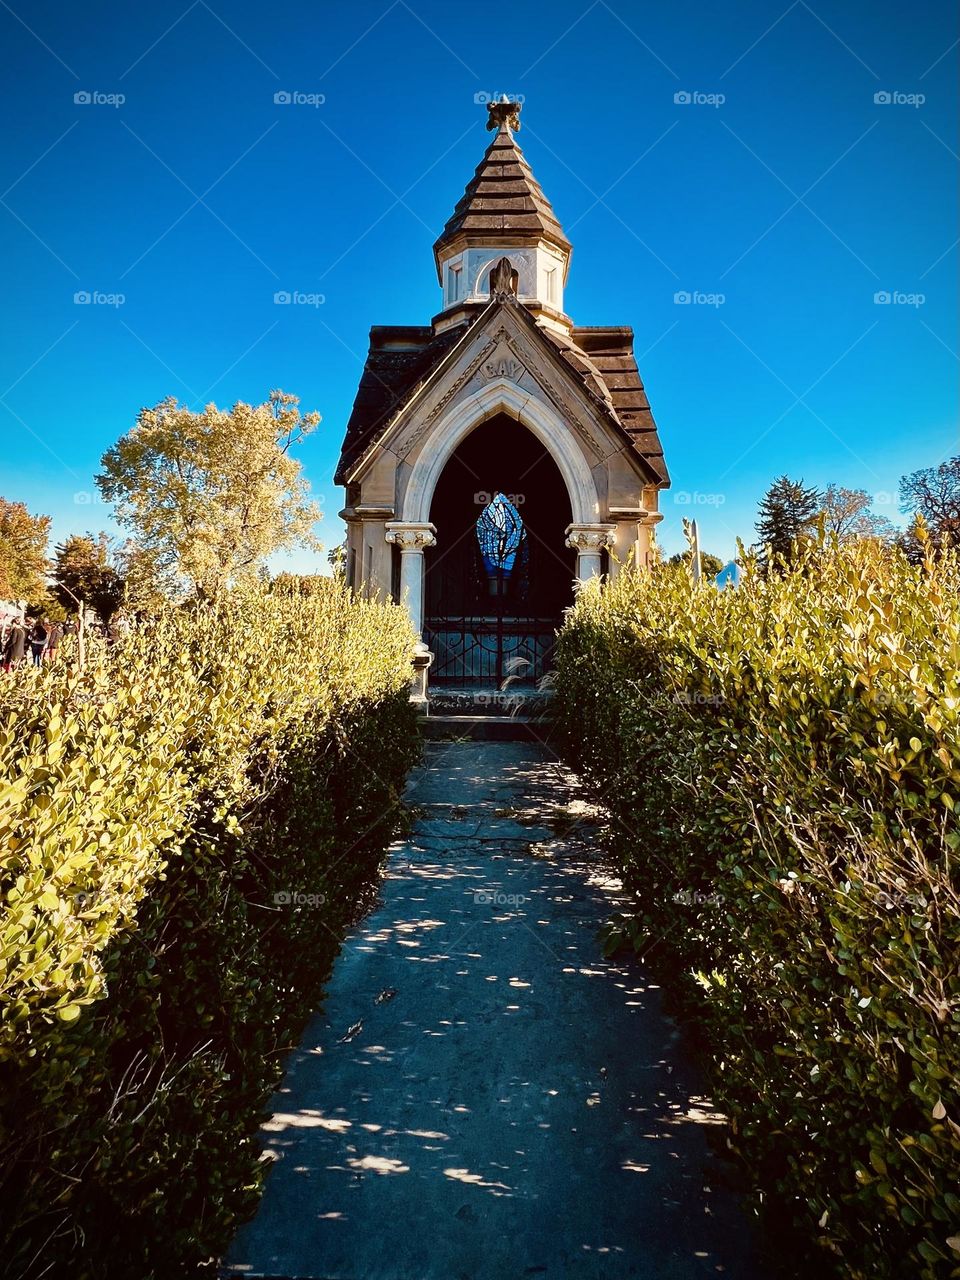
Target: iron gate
x: 483, y: 624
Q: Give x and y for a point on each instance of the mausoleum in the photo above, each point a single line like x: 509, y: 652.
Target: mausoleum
x: 501, y: 453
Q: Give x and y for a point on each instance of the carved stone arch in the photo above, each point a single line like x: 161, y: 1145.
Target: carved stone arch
x: 522, y: 263
x: 539, y: 417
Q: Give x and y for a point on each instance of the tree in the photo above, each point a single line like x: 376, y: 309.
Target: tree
x: 209, y: 496
x: 46, y: 605
x: 337, y: 560
x: 710, y: 564
x: 846, y: 513
x: 786, y: 513
x: 301, y: 584
x: 83, y: 570
x: 23, y: 552
x: 934, y: 493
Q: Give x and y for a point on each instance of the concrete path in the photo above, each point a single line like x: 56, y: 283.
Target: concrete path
x: 484, y: 1096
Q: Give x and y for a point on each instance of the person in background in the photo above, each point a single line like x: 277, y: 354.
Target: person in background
x: 38, y: 641
x: 15, y: 646
x: 53, y: 639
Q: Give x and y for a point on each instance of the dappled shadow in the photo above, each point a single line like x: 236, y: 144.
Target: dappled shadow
x: 481, y: 1068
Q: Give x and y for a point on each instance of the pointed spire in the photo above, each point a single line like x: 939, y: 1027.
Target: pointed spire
x: 503, y: 203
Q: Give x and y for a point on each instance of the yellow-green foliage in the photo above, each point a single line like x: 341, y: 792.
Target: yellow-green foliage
x: 782, y: 763
x: 156, y: 809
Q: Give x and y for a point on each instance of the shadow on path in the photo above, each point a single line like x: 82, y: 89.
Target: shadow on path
x: 484, y: 1096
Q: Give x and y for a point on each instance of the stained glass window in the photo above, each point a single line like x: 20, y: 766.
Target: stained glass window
x: 501, y: 535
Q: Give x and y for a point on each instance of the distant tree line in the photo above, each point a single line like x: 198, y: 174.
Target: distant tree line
x: 791, y: 512
x: 206, y: 498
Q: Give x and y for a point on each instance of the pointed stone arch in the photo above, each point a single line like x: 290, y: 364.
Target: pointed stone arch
x: 460, y: 419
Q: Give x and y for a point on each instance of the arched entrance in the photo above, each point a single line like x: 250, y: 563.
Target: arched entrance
x: 501, y: 575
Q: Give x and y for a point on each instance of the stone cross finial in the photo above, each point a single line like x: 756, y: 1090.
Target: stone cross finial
x: 503, y: 113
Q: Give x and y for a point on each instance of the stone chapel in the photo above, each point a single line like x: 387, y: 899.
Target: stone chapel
x: 501, y: 453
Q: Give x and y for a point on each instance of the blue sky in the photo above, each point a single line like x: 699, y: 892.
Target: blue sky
x: 782, y: 186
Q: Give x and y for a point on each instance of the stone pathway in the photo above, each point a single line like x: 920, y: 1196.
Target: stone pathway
x: 484, y: 1096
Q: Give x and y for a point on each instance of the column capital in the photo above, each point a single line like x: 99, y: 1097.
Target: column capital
x: 410, y: 536
x: 591, y: 537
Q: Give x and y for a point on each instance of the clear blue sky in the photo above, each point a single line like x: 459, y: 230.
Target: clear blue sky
x: 798, y: 198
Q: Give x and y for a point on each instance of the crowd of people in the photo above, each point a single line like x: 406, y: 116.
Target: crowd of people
x: 32, y: 641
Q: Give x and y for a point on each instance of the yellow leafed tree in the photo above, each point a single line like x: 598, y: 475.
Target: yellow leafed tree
x: 209, y: 496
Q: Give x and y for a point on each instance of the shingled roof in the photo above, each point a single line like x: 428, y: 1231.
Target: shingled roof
x: 503, y: 202
x: 401, y: 358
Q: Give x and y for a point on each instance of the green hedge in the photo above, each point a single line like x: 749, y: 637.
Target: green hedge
x: 187, y: 826
x: 781, y: 765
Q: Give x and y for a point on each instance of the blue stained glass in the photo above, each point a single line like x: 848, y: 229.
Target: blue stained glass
x: 500, y: 533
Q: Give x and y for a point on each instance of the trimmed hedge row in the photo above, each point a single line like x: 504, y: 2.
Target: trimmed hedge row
x: 187, y: 826
x: 781, y: 764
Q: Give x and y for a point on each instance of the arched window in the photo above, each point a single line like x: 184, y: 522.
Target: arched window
x: 502, y: 540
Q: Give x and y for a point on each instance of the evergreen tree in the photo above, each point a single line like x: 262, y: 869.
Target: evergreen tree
x: 786, y: 513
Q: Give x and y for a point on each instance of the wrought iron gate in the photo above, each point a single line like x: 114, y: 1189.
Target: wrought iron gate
x: 483, y: 624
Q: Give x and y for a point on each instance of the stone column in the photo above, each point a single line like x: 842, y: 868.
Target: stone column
x: 645, y: 538
x: 412, y: 539
x: 590, y: 540
x: 627, y: 548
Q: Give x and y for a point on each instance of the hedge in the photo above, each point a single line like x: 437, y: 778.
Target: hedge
x: 187, y: 826
x: 781, y: 765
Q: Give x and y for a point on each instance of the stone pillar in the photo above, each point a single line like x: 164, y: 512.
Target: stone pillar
x: 367, y: 555
x: 629, y: 544
x: 590, y: 540
x: 646, y: 538
x: 412, y: 539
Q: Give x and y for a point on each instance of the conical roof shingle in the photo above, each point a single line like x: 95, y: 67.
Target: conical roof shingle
x: 503, y: 203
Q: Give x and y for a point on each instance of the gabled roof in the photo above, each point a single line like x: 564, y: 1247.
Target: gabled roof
x: 503, y: 202
x: 402, y: 359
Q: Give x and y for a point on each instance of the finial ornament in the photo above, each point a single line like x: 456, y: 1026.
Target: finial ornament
x: 504, y: 280
x: 503, y: 113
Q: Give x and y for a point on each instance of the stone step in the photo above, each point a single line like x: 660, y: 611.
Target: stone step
x: 485, y: 728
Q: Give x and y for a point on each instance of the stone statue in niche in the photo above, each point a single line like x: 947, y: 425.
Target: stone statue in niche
x: 504, y: 279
